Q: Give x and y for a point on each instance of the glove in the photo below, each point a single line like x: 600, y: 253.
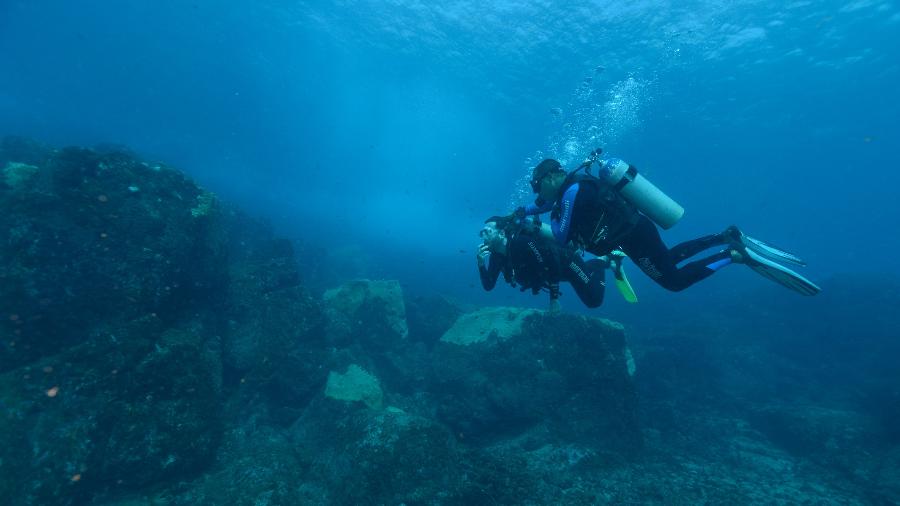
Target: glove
x: 519, y: 213
x: 483, y: 253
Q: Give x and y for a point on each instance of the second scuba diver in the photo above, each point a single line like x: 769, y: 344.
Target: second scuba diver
x: 619, y: 209
x: 527, y: 256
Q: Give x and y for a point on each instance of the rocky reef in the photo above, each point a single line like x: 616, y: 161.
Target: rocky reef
x: 158, y: 346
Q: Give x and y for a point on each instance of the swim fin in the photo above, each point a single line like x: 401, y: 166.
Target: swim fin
x: 738, y: 238
x: 625, y: 288
x: 777, y: 273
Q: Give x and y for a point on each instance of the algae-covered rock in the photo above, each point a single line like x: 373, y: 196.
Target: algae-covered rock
x: 502, y: 371
x: 274, y: 343
x: 255, y: 465
x: 429, y: 317
x: 364, y: 456
x: 82, y: 248
x: 374, y: 309
x: 127, y: 319
x: 490, y: 322
x: 355, y: 455
x: 16, y: 174
x: 206, y: 204
x: 129, y: 408
x: 355, y: 385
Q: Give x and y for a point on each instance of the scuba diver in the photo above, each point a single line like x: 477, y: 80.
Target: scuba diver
x: 526, y: 254
x: 620, y: 209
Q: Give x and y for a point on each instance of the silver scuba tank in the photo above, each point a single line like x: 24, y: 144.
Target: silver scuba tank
x: 640, y: 192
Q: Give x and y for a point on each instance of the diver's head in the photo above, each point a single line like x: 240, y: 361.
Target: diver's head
x: 547, y: 178
x: 493, y: 236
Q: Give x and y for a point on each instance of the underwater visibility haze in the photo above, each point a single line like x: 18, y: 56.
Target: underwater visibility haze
x: 240, y: 238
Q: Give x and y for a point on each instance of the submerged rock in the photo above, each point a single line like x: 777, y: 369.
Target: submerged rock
x: 499, y: 323
x: 502, y: 371
x: 274, y: 350
x: 131, y: 407
x: 82, y: 249
x: 118, y: 309
x: 16, y: 174
x: 256, y: 465
x: 364, y: 456
x: 372, y: 310
x: 356, y: 384
x: 430, y: 317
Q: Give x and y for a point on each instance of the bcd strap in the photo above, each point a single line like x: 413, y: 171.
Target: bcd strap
x: 629, y: 176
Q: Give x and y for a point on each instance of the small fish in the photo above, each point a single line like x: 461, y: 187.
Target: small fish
x: 599, y: 68
x: 556, y: 111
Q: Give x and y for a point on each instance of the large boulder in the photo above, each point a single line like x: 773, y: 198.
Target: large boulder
x: 371, y: 313
x: 489, y: 324
x: 501, y: 371
x: 361, y: 455
x: 92, y: 237
x: 356, y: 384
x: 366, y: 325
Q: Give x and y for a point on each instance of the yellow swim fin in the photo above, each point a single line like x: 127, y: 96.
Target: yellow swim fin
x: 615, y: 263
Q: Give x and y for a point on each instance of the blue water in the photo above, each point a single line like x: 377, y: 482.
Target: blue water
x: 379, y: 135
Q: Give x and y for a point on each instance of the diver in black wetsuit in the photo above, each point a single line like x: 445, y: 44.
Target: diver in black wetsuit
x: 613, y: 211
x: 530, y: 259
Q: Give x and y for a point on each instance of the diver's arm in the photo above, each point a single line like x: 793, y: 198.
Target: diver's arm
x: 532, y: 209
x: 563, y: 223
x: 490, y: 273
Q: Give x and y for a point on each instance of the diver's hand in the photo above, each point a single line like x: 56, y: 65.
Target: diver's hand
x: 519, y: 213
x: 483, y: 253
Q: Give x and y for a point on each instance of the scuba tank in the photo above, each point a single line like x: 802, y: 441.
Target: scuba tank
x: 636, y: 189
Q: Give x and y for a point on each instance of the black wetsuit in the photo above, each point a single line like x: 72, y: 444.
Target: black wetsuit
x: 596, y: 219
x: 536, y: 264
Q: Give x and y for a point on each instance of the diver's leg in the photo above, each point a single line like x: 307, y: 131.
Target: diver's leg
x: 587, y: 279
x: 646, y: 248
x: 687, y: 249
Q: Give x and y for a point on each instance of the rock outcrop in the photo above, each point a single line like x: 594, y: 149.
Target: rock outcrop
x: 501, y: 371
x: 127, y: 336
